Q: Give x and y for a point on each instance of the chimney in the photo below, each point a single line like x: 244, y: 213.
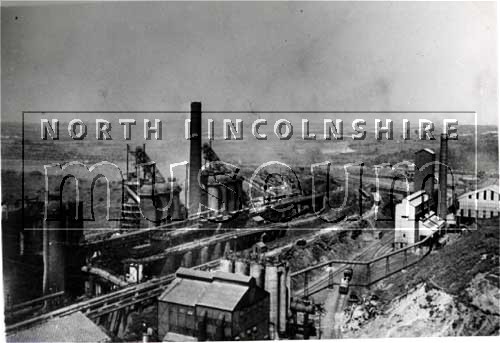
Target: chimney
x: 195, y: 158
x: 443, y: 177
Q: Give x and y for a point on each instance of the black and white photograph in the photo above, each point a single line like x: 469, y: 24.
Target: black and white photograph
x: 179, y: 171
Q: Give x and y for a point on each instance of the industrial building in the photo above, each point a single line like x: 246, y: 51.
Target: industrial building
x: 481, y: 203
x: 201, y: 305
x: 426, y: 210
x: 415, y: 219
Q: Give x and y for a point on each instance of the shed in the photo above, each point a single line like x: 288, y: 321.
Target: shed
x: 213, y: 306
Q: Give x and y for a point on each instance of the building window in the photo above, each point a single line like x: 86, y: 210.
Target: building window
x: 462, y: 212
x: 469, y: 213
x: 477, y: 195
x: 492, y: 214
x: 484, y: 214
x: 470, y: 196
x: 492, y: 195
x: 484, y: 195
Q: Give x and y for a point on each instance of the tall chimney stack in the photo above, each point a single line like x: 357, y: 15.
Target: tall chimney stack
x: 195, y: 158
x: 443, y: 177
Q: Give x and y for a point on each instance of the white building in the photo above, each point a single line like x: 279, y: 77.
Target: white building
x: 481, y: 203
x: 414, y: 219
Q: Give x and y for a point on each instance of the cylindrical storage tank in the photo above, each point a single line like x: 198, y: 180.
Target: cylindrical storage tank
x: 227, y: 248
x: 223, y: 191
x: 283, y: 299
x: 241, y: 267
x: 204, y: 255
x: 226, y: 265
x: 217, y: 252
x: 257, y: 272
x: 271, y: 285
x: 213, y: 197
x: 187, y: 260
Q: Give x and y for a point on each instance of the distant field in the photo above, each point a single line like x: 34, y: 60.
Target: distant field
x: 247, y: 154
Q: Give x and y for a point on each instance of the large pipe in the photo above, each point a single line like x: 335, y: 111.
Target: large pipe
x: 195, y: 158
x: 443, y: 177
x: 105, y: 275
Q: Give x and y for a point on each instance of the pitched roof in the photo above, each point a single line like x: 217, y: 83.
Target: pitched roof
x: 430, y: 151
x: 223, y: 295
x: 219, y: 290
x: 494, y: 188
x: 75, y: 327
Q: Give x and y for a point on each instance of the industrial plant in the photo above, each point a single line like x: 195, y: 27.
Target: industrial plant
x: 218, y: 260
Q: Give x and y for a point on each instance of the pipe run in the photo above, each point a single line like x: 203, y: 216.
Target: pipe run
x: 105, y: 275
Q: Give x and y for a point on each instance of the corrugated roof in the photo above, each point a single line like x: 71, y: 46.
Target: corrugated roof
x: 184, y: 291
x: 75, y: 327
x: 219, y: 290
x: 223, y: 295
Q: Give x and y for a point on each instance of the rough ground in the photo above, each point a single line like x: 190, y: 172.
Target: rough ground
x: 453, y: 292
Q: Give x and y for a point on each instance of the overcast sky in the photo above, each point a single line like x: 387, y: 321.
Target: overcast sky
x: 250, y: 56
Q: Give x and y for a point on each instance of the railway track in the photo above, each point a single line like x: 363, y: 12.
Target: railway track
x: 108, y: 303
x: 325, y: 281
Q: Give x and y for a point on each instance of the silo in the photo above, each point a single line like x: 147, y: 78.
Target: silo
x: 226, y: 265
x: 224, y: 196
x: 217, y: 252
x: 204, y: 255
x: 257, y: 272
x: 241, y: 267
x: 213, y: 196
x: 271, y: 285
x: 187, y: 260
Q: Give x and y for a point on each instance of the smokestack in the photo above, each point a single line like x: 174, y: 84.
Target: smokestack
x: 195, y: 158
x: 443, y: 177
